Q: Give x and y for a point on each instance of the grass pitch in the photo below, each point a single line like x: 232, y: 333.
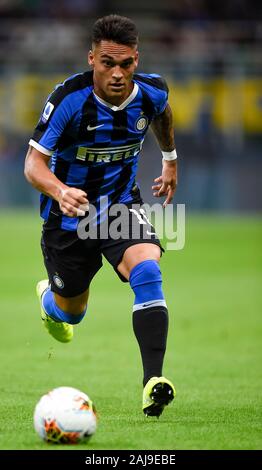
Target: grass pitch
x: 213, y: 290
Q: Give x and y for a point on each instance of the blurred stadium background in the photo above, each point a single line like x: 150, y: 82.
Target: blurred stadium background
x: 210, y: 54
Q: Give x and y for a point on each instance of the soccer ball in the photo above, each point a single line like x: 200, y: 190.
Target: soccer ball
x: 65, y: 416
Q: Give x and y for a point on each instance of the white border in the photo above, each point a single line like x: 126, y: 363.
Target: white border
x: 150, y: 303
x: 40, y: 148
x: 130, y: 98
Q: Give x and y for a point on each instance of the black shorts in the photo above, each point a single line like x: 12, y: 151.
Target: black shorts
x: 72, y: 262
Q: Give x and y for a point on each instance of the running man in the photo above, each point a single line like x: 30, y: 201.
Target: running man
x: 86, y: 147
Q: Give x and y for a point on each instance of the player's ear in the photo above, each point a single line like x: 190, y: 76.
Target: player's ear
x: 91, y: 58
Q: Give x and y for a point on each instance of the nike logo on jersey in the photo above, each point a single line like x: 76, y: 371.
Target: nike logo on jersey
x: 92, y: 128
x: 148, y: 304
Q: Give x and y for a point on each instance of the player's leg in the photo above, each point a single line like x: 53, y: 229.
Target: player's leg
x: 75, y: 305
x: 150, y: 318
x: 136, y: 261
x: 64, y: 296
x: 150, y: 322
x: 59, y: 314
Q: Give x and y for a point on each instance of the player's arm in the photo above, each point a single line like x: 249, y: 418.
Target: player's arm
x: 41, y: 177
x: 163, y: 129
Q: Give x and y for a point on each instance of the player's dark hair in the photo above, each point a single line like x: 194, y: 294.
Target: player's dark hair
x: 115, y: 28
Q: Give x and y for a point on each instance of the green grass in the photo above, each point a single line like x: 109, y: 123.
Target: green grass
x: 213, y: 289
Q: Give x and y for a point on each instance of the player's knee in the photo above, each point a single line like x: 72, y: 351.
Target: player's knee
x: 145, y: 272
x: 146, y: 282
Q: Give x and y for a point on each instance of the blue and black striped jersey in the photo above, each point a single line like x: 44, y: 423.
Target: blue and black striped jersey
x: 95, y: 145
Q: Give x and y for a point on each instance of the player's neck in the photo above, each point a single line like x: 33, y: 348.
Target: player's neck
x: 114, y: 100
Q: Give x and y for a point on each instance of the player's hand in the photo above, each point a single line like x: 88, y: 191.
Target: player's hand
x: 166, y: 184
x: 73, y: 202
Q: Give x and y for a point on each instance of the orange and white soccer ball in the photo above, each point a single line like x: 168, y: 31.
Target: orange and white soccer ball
x: 65, y: 415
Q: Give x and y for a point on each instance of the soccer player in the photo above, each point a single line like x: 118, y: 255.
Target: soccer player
x: 93, y: 126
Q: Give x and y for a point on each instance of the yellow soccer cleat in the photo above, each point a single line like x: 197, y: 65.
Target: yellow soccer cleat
x: 61, y: 331
x: 157, y: 393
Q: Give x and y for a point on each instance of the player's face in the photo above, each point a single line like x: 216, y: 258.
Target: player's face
x: 113, y: 65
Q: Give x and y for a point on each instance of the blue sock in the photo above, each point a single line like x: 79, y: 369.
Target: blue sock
x: 146, y: 282
x: 52, y: 309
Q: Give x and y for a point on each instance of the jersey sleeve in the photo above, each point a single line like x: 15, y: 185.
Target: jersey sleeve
x: 55, y: 116
x: 161, y: 95
x: 156, y: 89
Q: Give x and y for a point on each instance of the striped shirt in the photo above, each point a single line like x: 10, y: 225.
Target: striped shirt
x: 94, y: 145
